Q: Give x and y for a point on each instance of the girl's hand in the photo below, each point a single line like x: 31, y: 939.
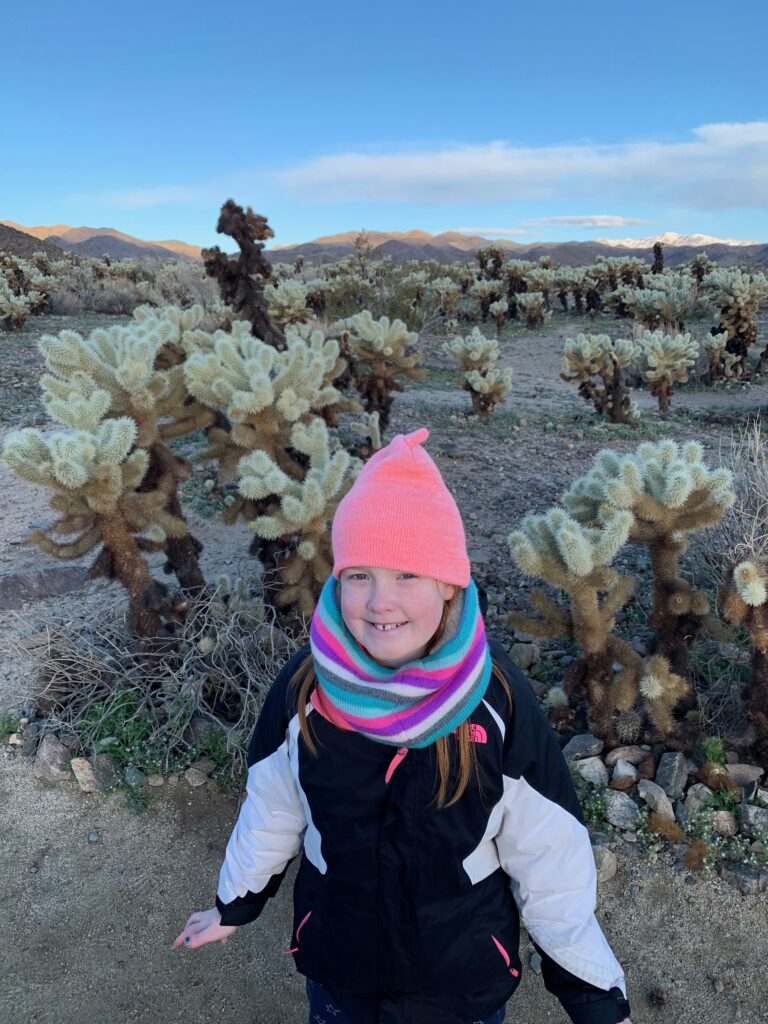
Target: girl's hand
x: 202, y: 927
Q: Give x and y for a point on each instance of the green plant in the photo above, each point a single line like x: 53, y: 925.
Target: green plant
x: 8, y: 724
x: 591, y: 798
x: 712, y: 750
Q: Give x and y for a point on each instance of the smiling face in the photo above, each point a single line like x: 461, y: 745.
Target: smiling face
x: 392, y: 614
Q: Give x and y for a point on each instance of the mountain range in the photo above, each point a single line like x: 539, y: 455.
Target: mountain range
x: 399, y: 245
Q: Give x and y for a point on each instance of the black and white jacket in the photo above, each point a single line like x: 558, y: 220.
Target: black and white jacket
x: 406, y: 913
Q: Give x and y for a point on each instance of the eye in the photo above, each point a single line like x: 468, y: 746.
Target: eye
x: 409, y: 575
x: 356, y: 576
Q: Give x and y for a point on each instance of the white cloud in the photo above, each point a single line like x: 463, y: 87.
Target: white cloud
x: 596, y: 220
x: 719, y: 166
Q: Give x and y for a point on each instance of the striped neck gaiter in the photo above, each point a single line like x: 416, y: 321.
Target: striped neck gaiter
x: 410, y: 706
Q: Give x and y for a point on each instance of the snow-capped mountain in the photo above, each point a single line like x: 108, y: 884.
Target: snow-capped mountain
x: 671, y: 238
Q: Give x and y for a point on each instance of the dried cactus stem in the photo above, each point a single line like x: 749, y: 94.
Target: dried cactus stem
x: 147, y: 596
x: 240, y: 280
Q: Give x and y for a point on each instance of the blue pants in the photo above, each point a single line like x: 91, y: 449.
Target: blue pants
x: 323, y: 1009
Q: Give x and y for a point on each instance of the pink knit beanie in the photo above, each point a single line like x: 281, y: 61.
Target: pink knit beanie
x: 400, y: 515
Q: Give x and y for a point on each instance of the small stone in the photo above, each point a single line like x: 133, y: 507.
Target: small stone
x: 134, y: 778
x: 744, y: 877
x: 762, y: 796
x: 754, y: 817
x: 593, y: 770
x: 195, y: 778
x: 624, y: 770
x: 23, y: 723
x: 725, y: 823
x: 621, y: 811
x: 52, y: 760
x: 94, y: 776
x: 757, y: 847
x: 696, y: 797
x: 204, y: 765
x: 605, y: 862
x: 473, y: 516
x: 690, y: 879
x: 535, y: 963
x: 93, y: 837
x: 744, y: 774
x: 656, y: 798
x: 525, y: 656
x: 671, y: 774
x: 155, y: 780
x: 718, y: 986
x: 633, y: 754
x: 566, y: 660
x: 680, y: 850
x: 630, y: 837
x: 14, y: 740
x: 583, y: 745
x: 682, y: 817
x: 523, y: 423
x: 635, y: 890
x: 173, y: 781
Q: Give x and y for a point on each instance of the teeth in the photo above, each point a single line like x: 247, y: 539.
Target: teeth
x: 393, y: 625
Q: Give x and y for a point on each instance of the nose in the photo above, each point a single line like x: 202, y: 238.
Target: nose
x: 380, y: 598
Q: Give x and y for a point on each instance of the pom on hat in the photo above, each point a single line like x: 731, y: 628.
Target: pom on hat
x: 400, y: 515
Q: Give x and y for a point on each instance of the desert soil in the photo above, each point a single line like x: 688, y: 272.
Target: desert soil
x: 89, y: 926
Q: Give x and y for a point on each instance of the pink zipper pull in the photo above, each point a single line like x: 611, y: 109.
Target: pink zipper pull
x: 395, y: 762
x: 303, y: 922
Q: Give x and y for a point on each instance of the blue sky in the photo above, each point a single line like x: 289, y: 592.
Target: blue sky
x: 528, y: 121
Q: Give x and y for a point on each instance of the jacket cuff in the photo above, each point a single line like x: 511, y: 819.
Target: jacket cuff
x: 245, y: 909
x: 612, y: 1008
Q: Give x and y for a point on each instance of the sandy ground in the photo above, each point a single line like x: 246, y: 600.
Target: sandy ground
x: 89, y: 927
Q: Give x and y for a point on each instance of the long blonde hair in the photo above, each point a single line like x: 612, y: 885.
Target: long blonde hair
x: 305, y: 679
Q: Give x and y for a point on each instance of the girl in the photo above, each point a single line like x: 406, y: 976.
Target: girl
x: 409, y: 762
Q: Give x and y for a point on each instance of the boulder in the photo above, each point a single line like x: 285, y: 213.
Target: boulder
x: 605, y: 862
x: 744, y: 774
x: 696, y: 797
x: 52, y: 760
x: 581, y: 746
x: 592, y: 770
x: 94, y: 775
x: 672, y: 774
x: 753, y: 817
x: 634, y: 754
x: 744, y: 877
x: 656, y: 798
x: 525, y: 656
x: 621, y: 810
x: 725, y: 823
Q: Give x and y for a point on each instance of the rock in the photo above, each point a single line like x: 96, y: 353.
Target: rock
x: 744, y: 877
x: 696, y: 797
x: 155, y: 780
x: 204, y: 765
x: 753, y: 817
x: 690, y: 766
x: 605, y: 862
x: 757, y: 847
x: 682, y: 817
x: 656, y: 798
x: 19, y: 587
x: 718, y: 986
x: 630, y: 837
x: 195, y: 778
x: 725, y: 823
x: 621, y: 811
x: 744, y: 774
x: 52, y: 760
x: 199, y: 730
x: 731, y: 757
x: 581, y: 746
x: 593, y: 770
x: 14, y: 740
x: 173, y: 780
x: 624, y: 770
x: 96, y: 775
x: 671, y: 774
x: 762, y: 796
x: 680, y: 850
x: 525, y: 656
x: 93, y: 837
x: 535, y: 963
x: 134, y: 778
x: 633, y: 754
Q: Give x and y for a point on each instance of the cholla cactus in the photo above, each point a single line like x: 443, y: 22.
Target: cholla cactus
x: 486, y: 292
x: 287, y: 303
x: 134, y: 371
x: 533, y: 305
x: 299, y: 510
x: 368, y: 429
x: 14, y: 309
x: 662, y: 690
x: 491, y: 261
x: 576, y: 558
x: 722, y: 363
x: 739, y: 296
x: 570, y: 280
x: 669, y: 492
x: 278, y: 448
x: 96, y: 474
x: 447, y: 293
x: 662, y: 307
x: 700, y: 266
x: 485, y: 383
x: 542, y: 280
x: 383, y: 351
x: 665, y: 360
x: 499, y: 311
x: 594, y: 355
x: 744, y: 600
x: 515, y: 272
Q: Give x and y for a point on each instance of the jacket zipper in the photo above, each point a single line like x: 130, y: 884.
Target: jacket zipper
x: 395, y: 762
x: 505, y: 954
x: 303, y: 922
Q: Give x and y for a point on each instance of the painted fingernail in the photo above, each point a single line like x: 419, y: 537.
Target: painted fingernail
x: 187, y: 940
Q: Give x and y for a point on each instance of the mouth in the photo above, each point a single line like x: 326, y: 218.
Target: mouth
x: 387, y: 627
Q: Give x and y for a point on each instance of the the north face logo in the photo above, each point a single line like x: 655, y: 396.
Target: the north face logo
x: 477, y: 733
